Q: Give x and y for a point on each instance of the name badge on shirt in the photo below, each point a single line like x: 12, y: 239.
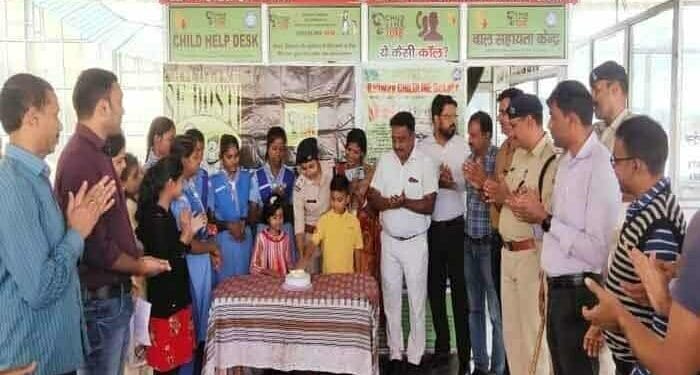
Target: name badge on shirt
x: 310, y: 201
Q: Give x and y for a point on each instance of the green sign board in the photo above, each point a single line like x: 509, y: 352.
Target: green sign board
x: 414, y: 33
x: 387, y: 91
x: 230, y: 34
x: 313, y: 34
x: 516, y: 32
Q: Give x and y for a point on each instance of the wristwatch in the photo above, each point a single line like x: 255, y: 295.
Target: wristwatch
x: 546, y: 223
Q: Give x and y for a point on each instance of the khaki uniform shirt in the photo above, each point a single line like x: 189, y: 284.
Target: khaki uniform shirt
x: 504, y: 159
x: 526, y: 168
x: 606, y: 133
x: 311, y: 200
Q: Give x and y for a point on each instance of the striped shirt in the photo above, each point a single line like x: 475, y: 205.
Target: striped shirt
x: 271, y: 252
x: 654, y: 224
x: 41, y: 317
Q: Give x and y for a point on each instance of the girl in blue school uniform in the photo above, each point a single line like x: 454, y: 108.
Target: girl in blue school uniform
x: 201, y: 179
x: 230, y: 196
x: 275, y: 178
x: 204, y: 257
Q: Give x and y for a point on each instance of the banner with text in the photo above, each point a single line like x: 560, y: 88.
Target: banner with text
x: 388, y: 91
x: 247, y: 100
x: 414, y: 33
x: 516, y: 32
x: 312, y: 34
x: 216, y: 34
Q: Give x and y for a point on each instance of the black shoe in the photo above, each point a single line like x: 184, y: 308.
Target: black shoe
x: 412, y: 369
x: 479, y: 372
x: 396, y: 367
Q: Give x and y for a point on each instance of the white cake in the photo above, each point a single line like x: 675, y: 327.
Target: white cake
x: 297, y: 279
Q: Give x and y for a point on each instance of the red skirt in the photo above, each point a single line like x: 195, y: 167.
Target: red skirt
x: 172, y: 340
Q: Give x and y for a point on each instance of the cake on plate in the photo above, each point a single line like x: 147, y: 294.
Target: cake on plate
x: 297, y: 279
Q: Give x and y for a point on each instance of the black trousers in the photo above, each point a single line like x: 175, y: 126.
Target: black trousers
x: 566, y: 328
x: 446, y: 259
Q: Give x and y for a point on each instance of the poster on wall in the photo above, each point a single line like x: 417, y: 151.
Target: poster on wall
x: 516, y: 32
x: 215, y: 34
x: 388, y: 91
x: 247, y: 100
x: 414, y: 33
x: 315, y: 34
x: 300, y: 121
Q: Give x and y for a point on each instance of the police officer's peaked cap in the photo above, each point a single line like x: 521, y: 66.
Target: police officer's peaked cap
x: 608, y: 71
x: 307, y: 150
x: 523, y: 105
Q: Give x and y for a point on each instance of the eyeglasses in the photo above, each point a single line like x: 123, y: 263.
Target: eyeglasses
x: 614, y: 160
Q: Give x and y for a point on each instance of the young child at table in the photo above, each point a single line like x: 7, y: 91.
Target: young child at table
x: 338, y: 231
x: 171, y: 326
x: 272, y: 254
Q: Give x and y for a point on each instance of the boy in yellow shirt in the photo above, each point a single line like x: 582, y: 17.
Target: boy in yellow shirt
x: 338, y: 231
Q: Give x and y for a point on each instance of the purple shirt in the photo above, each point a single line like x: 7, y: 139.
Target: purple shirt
x: 84, y: 160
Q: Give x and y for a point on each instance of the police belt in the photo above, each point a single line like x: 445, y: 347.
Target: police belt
x: 528, y: 244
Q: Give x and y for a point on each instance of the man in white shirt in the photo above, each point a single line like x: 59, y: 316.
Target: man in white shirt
x: 446, y: 235
x: 403, y: 190
x: 609, y: 87
x: 577, y: 232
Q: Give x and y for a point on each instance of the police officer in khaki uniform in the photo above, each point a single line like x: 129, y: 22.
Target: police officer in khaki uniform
x: 609, y: 87
x: 311, y: 197
x: 532, y: 169
x: 504, y: 158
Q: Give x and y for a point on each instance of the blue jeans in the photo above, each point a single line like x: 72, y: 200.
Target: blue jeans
x: 108, y: 334
x: 482, y: 290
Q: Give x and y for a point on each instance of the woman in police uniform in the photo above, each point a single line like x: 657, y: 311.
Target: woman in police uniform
x: 312, y: 192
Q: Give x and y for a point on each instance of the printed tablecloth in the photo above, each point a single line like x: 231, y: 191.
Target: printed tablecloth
x: 332, y: 327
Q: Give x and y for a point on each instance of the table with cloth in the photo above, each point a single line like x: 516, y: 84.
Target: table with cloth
x: 331, y: 327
